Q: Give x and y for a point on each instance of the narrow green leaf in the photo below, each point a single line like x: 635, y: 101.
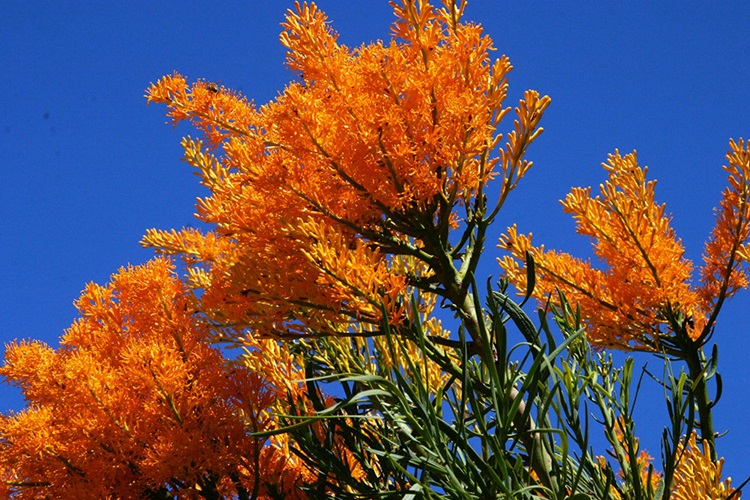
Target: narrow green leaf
x: 530, y: 277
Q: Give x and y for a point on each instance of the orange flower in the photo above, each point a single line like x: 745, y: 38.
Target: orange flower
x: 697, y: 476
x: 726, y: 251
x: 368, y: 155
x: 134, y: 400
x: 643, y: 298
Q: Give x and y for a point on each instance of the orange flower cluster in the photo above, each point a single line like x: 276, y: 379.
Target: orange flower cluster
x: 366, y: 156
x: 697, y: 476
x: 331, y: 209
x: 135, y: 401
x: 644, y: 297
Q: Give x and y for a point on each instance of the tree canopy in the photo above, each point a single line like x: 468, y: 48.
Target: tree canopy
x: 339, y: 249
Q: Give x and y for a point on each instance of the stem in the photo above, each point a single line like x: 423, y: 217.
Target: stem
x: 696, y: 364
x: 539, y: 458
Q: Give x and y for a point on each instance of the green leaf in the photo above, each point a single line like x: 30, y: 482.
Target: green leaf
x: 530, y: 277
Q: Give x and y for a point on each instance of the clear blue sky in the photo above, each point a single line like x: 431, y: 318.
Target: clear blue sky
x: 86, y: 167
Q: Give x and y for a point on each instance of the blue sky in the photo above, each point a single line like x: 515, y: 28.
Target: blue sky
x: 86, y: 167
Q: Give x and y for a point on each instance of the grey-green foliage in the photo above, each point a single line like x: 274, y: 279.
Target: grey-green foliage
x: 513, y: 420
